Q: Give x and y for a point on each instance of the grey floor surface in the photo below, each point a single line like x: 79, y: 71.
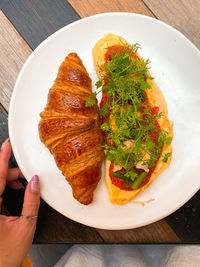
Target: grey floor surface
x: 49, y: 255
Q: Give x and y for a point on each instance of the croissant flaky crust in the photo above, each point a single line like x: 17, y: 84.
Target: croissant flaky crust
x: 71, y: 131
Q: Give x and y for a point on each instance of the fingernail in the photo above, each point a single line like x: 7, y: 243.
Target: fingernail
x: 4, y: 144
x: 1, y: 200
x: 16, y: 185
x: 35, y: 184
x: 20, y: 184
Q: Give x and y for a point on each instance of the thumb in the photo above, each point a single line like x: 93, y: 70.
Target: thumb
x: 32, y: 198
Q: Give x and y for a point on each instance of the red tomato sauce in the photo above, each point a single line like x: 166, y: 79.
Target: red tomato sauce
x: 116, y: 48
x: 112, y: 50
x: 104, y: 94
x: 104, y: 98
x: 119, y: 182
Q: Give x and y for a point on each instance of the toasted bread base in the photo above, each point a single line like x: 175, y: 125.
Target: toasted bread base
x: 156, y: 98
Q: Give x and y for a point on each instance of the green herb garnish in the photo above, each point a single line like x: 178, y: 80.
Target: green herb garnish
x: 91, y: 101
x: 105, y: 126
x: 166, y: 156
x: 132, y: 127
x: 98, y: 84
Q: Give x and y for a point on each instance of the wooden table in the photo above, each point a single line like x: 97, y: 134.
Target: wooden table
x: 24, y: 24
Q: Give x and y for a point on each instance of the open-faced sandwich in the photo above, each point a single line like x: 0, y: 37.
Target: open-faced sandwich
x: 134, y: 112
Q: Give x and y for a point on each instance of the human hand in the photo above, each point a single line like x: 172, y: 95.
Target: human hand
x: 16, y: 233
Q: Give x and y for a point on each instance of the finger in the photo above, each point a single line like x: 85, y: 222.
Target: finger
x: 4, y: 158
x: 32, y: 197
x: 15, y: 185
x: 14, y: 174
x: 1, y: 200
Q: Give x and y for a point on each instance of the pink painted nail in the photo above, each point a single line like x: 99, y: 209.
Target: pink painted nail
x: 35, y: 184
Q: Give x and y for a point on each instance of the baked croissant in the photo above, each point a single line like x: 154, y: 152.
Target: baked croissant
x: 70, y: 130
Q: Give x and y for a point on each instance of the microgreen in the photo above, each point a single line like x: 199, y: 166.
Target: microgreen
x: 131, y: 120
x: 166, y: 156
x: 90, y: 101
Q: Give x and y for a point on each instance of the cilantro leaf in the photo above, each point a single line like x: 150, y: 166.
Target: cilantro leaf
x: 91, y: 101
x: 131, y: 175
x: 98, y: 84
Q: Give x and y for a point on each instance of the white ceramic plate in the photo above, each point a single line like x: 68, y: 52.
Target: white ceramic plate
x: 175, y: 65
